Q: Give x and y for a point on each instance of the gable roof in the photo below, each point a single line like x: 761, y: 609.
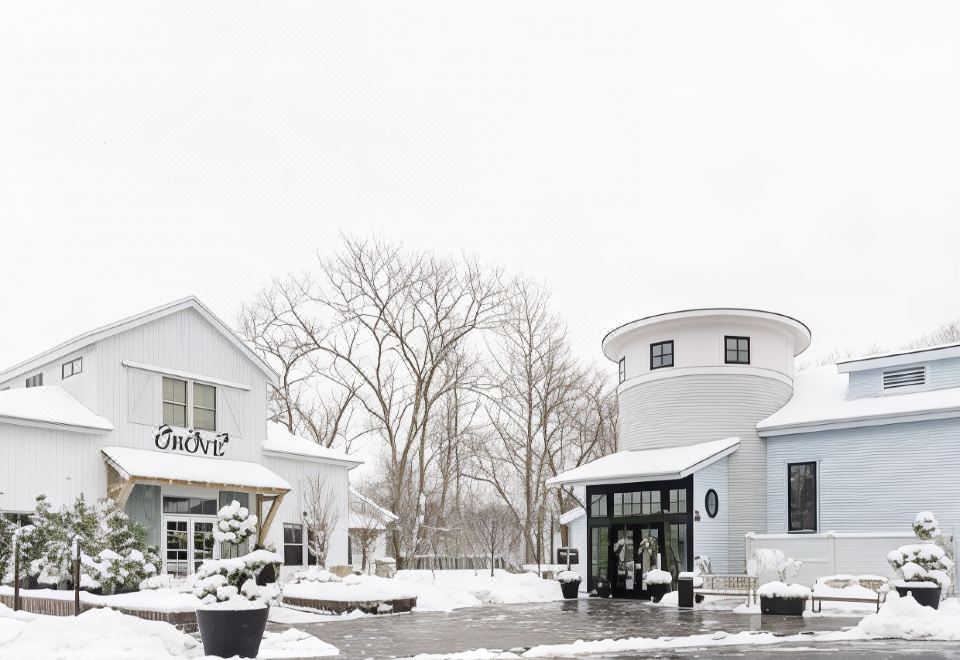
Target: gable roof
x: 111, y: 329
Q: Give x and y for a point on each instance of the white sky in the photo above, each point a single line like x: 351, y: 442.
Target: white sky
x: 639, y: 157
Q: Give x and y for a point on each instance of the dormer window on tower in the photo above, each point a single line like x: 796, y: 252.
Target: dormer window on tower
x: 737, y: 350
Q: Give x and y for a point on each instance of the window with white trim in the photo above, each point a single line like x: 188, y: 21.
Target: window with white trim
x: 71, y: 368
x: 35, y: 380
x: 189, y: 405
x: 622, y: 365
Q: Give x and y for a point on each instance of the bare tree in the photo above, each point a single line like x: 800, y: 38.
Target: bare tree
x: 529, y: 382
x: 386, y: 327
x: 490, y: 529
x: 320, y: 514
x: 366, y: 526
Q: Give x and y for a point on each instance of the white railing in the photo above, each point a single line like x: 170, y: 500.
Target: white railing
x: 833, y: 553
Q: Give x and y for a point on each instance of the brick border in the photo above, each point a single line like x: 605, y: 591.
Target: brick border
x: 341, y: 606
x: 185, y: 621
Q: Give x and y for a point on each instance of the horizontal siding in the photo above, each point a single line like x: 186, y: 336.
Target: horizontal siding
x: 686, y: 410
x: 711, y: 535
x: 872, y: 479
x: 941, y: 374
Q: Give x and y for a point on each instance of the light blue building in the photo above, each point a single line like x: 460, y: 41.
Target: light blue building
x: 726, y: 448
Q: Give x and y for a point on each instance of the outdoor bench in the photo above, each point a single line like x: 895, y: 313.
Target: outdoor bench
x: 877, y: 586
x: 727, y: 585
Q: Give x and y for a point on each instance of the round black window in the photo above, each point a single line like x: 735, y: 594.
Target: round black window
x: 712, y: 503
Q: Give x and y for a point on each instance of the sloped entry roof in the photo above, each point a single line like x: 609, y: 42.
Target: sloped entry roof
x: 648, y: 464
x: 144, y: 465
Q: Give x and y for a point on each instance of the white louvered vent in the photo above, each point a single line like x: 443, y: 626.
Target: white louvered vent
x: 904, y: 377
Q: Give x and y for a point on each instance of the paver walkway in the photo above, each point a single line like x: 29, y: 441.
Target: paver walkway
x: 522, y: 626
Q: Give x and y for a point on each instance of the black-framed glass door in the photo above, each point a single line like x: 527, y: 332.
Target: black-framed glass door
x: 634, y: 552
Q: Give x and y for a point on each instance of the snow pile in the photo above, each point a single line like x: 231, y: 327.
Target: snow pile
x: 777, y: 589
x: 315, y: 574
x: 99, y: 634
x: 293, y: 643
x: 566, y: 577
x: 435, y: 591
x: 657, y: 576
x: 772, y: 560
x: 234, y: 524
x: 905, y: 618
x: 352, y: 589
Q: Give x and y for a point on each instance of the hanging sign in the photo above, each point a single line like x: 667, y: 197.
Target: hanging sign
x: 190, y: 441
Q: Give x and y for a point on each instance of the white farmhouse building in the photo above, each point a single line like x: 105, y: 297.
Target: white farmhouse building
x: 166, y: 412
x: 725, y: 448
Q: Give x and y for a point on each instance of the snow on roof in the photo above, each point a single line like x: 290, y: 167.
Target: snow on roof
x: 48, y: 405
x: 571, y: 515
x: 95, y: 335
x: 901, y: 357
x: 280, y: 440
x: 147, y: 464
x: 649, y: 464
x: 820, y: 399
x: 377, y: 509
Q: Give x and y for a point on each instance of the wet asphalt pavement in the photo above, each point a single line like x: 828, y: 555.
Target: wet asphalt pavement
x: 518, y: 627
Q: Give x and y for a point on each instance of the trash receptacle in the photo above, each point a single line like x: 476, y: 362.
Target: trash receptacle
x: 685, y: 590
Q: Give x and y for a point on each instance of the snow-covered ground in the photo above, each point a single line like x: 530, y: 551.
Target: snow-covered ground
x: 439, y: 591
x: 105, y: 634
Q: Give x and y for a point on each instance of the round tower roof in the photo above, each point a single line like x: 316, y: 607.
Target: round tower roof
x: 800, y: 332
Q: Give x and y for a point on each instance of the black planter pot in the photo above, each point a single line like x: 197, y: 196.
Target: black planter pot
x: 227, y: 633
x: 570, y: 589
x: 267, y: 575
x: 603, y: 589
x: 657, y: 591
x: 927, y: 596
x: 784, y: 606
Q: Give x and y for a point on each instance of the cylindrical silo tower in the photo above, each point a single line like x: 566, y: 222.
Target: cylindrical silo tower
x: 698, y: 375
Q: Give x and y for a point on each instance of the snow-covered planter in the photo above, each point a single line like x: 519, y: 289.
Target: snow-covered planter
x: 658, y: 584
x: 569, y: 583
x: 315, y: 574
x: 780, y: 598
x: 234, y: 608
x: 925, y: 567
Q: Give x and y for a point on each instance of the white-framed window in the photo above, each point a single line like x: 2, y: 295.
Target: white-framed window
x: 623, y: 369
x: 71, y: 368
x: 35, y: 380
x: 188, y: 404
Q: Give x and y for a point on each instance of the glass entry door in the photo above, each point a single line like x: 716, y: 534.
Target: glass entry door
x: 650, y: 549
x: 625, y: 573
x: 188, y: 541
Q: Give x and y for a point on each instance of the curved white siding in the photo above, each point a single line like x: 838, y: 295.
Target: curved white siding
x: 710, y: 535
x: 688, y: 409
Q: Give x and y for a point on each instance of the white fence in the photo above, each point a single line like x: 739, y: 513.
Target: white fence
x: 834, y: 553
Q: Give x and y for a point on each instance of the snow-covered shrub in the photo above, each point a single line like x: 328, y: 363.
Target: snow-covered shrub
x: 222, y: 580
x: 7, y: 530
x: 565, y: 577
x: 657, y: 576
x: 772, y: 560
x: 926, y: 527
x: 160, y: 581
x: 114, y: 553
x: 701, y: 565
x: 235, y: 524
x: 778, y: 589
x: 926, y: 561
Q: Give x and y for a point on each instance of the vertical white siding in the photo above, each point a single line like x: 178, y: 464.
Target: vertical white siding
x: 711, y: 535
x: 297, y: 472
x: 872, y: 479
